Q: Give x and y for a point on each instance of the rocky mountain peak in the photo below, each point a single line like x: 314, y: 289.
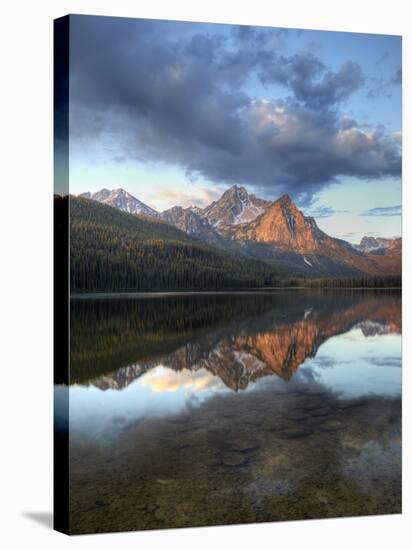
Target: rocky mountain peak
x: 190, y: 221
x: 285, y: 199
x: 379, y: 246
x: 369, y: 241
x: 176, y: 210
x: 100, y: 195
x: 234, y: 207
x: 122, y: 200
x: 236, y: 192
x: 284, y: 226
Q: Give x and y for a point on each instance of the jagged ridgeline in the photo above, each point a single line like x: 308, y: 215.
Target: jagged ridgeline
x: 111, y: 250
x: 106, y: 334
x: 280, y: 330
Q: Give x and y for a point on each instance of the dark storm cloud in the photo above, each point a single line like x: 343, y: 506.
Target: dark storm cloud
x: 310, y: 80
x: 164, y: 92
x: 384, y: 211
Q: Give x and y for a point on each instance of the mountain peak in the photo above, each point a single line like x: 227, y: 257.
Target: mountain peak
x: 177, y: 209
x: 368, y: 241
x: 283, y: 225
x: 121, y: 191
x: 235, y: 206
x: 379, y: 245
x: 102, y: 194
x: 236, y: 191
x: 122, y: 200
x: 285, y: 199
x: 190, y: 221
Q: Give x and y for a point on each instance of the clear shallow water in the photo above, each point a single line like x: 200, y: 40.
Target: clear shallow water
x: 234, y: 408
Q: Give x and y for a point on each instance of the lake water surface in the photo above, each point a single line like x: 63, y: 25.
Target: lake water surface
x: 192, y: 410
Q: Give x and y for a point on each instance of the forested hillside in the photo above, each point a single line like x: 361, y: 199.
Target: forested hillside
x: 112, y: 250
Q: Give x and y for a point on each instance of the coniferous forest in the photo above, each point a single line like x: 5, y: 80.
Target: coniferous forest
x: 115, y: 251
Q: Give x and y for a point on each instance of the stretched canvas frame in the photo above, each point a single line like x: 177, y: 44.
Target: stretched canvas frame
x: 230, y: 361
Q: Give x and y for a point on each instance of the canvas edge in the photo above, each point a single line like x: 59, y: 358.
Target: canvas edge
x: 61, y: 66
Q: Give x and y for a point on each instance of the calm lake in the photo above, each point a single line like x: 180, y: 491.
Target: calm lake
x: 190, y: 410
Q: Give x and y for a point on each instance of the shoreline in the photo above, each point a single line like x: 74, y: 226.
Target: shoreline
x: 161, y: 293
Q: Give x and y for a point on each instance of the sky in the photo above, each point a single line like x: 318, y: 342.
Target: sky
x: 175, y: 113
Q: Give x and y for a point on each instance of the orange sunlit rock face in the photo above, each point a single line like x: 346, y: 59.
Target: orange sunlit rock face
x: 240, y: 358
x: 284, y: 227
x: 285, y: 348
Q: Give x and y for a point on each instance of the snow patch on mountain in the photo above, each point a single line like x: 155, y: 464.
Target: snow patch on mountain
x: 236, y: 206
x: 122, y: 200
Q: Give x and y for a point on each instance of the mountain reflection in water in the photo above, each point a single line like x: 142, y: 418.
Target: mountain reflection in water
x: 230, y: 408
x: 128, y: 338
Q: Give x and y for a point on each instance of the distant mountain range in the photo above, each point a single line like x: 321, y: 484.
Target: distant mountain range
x: 276, y: 233
x: 380, y: 246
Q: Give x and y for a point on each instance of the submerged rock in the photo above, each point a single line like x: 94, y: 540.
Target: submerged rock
x: 242, y: 445
x: 233, y: 459
x: 331, y: 425
x: 294, y: 433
